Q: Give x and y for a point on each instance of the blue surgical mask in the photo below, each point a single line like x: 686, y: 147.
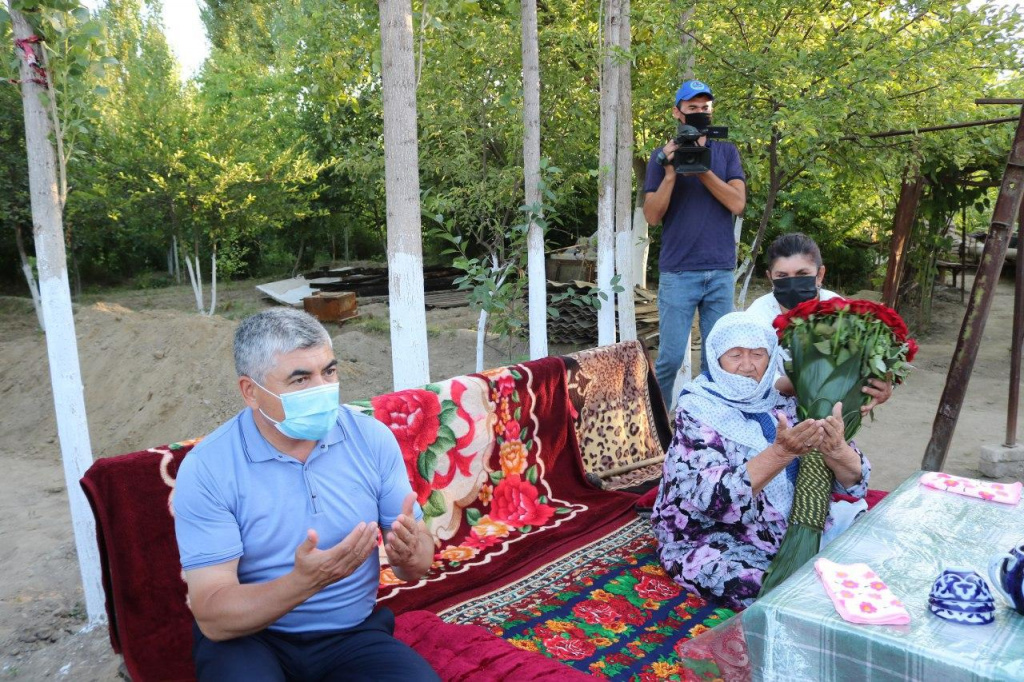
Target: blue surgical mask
x: 308, y: 413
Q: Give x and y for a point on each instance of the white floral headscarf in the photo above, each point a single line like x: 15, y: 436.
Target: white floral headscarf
x: 723, y: 400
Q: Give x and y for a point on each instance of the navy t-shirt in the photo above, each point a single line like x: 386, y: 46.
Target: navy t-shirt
x: 697, y: 229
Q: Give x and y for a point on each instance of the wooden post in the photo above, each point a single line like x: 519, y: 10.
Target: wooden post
x: 902, y: 226
x: 537, y: 277
x: 1018, y: 335
x: 409, y: 360
x: 606, y: 177
x: 55, y: 296
x: 978, y: 305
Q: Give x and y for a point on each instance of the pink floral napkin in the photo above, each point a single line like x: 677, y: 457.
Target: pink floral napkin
x: 1007, y: 493
x: 859, y: 595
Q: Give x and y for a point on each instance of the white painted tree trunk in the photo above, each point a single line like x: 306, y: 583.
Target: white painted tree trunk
x: 200, y: 298
x: 640, y: 247
x: 606, y: 176
x: 61, y: 344
x: 213, y: 282
x: 195, y: 285
x: 481, y: 338
x: 624, y: 184
x: 409, y: 359
x: 537, y: 278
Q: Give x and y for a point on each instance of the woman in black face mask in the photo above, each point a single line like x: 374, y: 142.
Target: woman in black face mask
x: 796, y: 273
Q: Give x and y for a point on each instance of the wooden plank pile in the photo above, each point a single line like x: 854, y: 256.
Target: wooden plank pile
x: 373, y: 281
x: 577, y: 321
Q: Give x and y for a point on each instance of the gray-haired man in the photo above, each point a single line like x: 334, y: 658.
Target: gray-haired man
x: 276, y: 516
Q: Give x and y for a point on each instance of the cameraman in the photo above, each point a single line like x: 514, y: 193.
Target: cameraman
x: 698, y: 248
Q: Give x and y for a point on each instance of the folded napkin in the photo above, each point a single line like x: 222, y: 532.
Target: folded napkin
x: 859, y: 595
x: 1007, y: 493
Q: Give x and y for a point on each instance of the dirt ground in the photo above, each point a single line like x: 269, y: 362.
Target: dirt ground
x: 155, y: 372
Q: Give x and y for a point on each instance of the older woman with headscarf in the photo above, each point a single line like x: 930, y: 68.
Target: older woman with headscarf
x: 730, y: 471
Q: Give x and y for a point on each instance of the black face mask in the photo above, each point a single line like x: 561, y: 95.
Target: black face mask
x: 699, y: 119
x: 792, y: 291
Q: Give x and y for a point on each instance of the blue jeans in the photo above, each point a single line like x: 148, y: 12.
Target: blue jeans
x: 680, y: 294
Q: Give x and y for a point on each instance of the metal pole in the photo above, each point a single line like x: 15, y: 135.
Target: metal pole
x: 979, y: 305
x: 1018, y: 337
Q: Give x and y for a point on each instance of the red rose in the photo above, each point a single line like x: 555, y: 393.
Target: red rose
x: 805, y: 309
x: 596, y: 612
x: 412, y: 415
x: 512, y: 430
x: 569, y: 649
x: 832, y: 306
x: 911, y: 349
x: 515, y: 503
x: 650, y: 587
x: 780, y: 323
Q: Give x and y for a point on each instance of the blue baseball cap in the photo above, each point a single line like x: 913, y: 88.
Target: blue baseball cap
x: 690, y: 89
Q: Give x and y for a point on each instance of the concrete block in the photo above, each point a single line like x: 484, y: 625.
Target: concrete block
x: 1000, y: 461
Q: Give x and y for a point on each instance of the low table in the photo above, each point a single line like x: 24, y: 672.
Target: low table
x: 795, y: 633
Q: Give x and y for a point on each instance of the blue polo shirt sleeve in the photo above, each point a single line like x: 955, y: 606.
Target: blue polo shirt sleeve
x: 655, y: 173
x: 206, y: 529
x: 394, y: 480
x: 733, y: 167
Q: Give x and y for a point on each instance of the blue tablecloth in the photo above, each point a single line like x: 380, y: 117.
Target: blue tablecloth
x: 795, y: 633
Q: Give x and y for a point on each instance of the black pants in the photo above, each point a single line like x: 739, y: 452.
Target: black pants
x: 365, y: 652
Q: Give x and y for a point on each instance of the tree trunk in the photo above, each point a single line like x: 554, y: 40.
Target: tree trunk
x: 606, y: 177
x: 537, y: 278
x: 298, y: 259
x: 641, y: 230
x: 481, y: 339
x: 192, y: 281
x: 902, y: 227
x: 30, y: 279
x: 774, y: 180
x: 177, y: 263
x: 55, y: 296
x: 401, y: 176
x: 686, y: 54
x: 200, y: 298
x: 213, y: 282
x: 624, y: 236
x: 769, y: 206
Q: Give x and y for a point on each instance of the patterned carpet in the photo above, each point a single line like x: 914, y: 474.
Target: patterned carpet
x: 607, y: 609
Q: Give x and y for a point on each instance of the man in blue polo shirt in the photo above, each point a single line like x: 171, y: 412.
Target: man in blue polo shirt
x: 698, y: 248
x: 276, y: 515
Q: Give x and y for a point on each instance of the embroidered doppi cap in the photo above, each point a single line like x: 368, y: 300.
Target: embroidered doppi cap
x: 690, y: 89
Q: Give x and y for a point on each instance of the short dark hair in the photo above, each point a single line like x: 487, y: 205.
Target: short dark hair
x: 794, y: 244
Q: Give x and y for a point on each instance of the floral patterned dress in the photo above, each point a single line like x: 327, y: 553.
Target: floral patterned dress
x: 715, y: 537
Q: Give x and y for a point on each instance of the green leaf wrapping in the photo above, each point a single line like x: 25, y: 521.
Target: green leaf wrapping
x: 806, y: 521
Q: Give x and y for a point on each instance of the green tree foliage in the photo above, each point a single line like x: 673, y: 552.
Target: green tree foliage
x: 272, y: 155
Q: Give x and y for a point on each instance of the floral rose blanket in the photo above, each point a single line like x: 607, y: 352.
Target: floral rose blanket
x: 496, y: 464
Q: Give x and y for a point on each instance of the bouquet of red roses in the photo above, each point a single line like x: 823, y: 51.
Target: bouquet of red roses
x: 835, y: 347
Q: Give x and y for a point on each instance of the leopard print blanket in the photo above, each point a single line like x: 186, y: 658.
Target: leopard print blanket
x: 617, y: 420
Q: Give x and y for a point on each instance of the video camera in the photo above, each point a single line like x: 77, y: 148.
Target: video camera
x: 691, y: 157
